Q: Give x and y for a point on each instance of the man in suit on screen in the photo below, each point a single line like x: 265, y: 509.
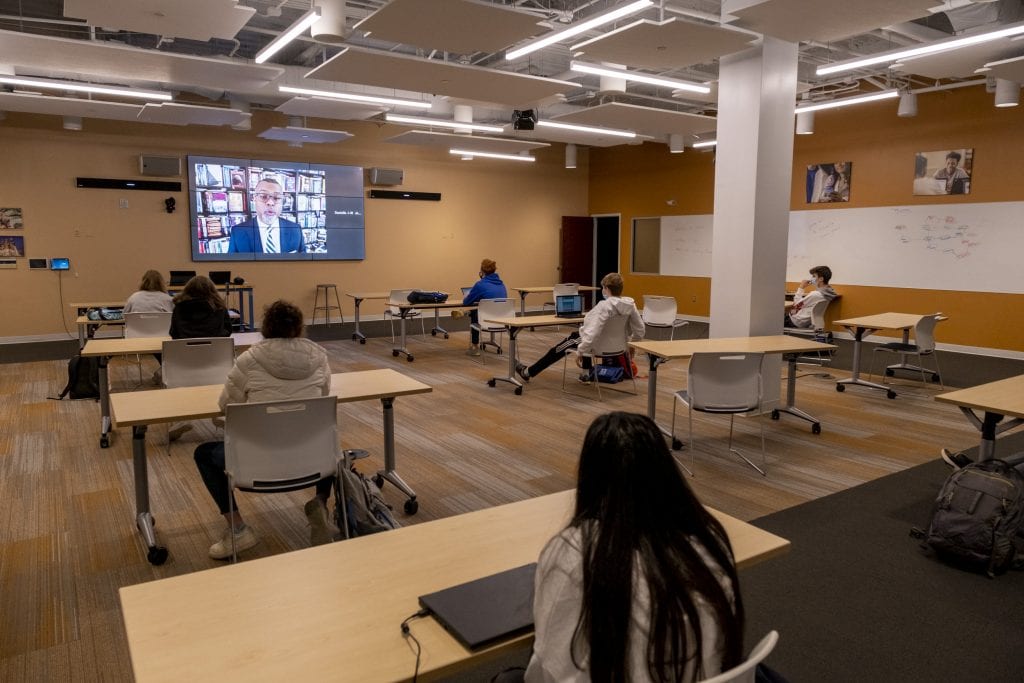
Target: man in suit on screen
x: 266, y: 232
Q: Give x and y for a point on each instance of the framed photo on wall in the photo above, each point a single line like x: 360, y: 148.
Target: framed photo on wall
x: 946, y: 171
x: 828, y: 183
x: 12, y: 246
x: 11, y: 219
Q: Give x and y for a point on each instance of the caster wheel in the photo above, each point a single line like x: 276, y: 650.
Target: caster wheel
x: 354, y: 337
x: 491, y: 383
x: 362, y: 341
x: 394, y: 353
x: 889, y: 372
x: 378, y: 480
x: 499, y: 353
x: 519, y: 391
x: 409, y: 358
x: 157, y: 555
x: 446, y: 335
x: 105, y: 441
x: 890, y: 394
x: 677, y: 445
x: 935, y: 378
x: 433, y: 333
x: 816, y: 428
x: 840, y: 388
x: 775, y: 415
x: 411, y: 506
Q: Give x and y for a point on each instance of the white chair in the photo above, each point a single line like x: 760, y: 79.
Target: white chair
x: 924, y: 345
x: 489, y: 309
x: 817, y: 331
x: 611, y: 343
x: 724, y: 383
x: 392, y: 311
x: 146, y: 325
x: 661, y: 311
x: 278, y: 446
x: 195, y: 362
x: 745, y: 672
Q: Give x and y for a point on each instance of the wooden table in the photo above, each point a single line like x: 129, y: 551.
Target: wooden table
x: 140, y: 409
x: 106, y: 349
x: 405, y: 310
x: 524, y: 291
x: 515, y: 325
x: 659, y: 352
x: 333, y: 612
x: 866, y: 326
x: 359, y: 298
x: 997, y: 400
x: 87, y: 328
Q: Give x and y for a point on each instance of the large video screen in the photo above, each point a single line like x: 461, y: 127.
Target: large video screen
x: 246, y: 210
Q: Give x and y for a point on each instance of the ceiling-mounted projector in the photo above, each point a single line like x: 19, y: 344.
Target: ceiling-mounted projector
x: 524, y: 120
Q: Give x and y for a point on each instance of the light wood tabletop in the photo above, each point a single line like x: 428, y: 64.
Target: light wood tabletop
x: 882, y: 321
x: 82, y: 306
x: 334, y: 611
x: 86, y: 320
x: 526, y: 291
x: 997, y: 401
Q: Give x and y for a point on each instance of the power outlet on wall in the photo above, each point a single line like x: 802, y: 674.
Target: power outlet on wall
x: 122, y: 203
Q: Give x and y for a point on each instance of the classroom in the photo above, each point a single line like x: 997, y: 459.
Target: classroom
x: 726, y: 230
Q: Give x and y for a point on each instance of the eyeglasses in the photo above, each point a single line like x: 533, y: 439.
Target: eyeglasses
x: 266, y: 197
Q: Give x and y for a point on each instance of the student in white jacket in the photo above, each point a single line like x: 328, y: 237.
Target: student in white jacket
x: 612, y: 305
x: 284, y: 365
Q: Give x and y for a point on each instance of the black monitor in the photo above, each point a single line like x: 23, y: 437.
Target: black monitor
x: 181, y: 277
x: 220, y: 277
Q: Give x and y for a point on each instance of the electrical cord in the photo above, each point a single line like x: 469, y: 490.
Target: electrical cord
x: 407, y: 633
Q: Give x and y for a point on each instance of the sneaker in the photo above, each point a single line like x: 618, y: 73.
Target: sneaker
x: 321, y: 529
x: 586, y: 377
x: 523, y: 372
x: 955, y: 460
x: 473, y: 350
x: 456, y: 314
x: 174, y: 433
x: 244, y: 539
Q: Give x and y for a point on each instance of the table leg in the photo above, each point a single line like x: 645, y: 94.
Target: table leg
x: 143, y: 518
x: 989, y: 427
x: 790, y: 407
x: 81, y: 336
x: 652, y: 400
x: 252, y: 315
x: 389, y: 473
x: 437, y: 325
x: 402, y: 314
x: 522, y: 302
x: 858, y: 347
x: 357, y: 334
x: 104, y: 402
x: 513, y: 356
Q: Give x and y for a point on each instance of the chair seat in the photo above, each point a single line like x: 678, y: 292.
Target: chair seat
x: 898, y: 346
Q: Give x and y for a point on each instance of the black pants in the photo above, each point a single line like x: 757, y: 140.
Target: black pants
x: 557, y: 352
x: 474, y: 334
x: 209, y: 459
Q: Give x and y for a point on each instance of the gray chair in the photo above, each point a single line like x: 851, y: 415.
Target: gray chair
x: 745, y: 672
x: 195, y: 362
x: 818, y: 331
x: 924, y: 345
x: 661, y: 312
x: 156, y: 324
x: 392, y: 311
x: 488, y: 309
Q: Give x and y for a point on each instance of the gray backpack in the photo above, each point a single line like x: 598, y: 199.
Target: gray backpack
x: 365, y: 509
x: 977, y: 516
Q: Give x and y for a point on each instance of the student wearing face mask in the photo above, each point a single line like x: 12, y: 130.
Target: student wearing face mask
x: 809, y: 293
x: 582, y: 341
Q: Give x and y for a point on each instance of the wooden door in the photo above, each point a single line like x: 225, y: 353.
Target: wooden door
x: 576, y: 252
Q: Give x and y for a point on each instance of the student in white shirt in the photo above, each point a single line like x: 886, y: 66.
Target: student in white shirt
x: 803, y: 301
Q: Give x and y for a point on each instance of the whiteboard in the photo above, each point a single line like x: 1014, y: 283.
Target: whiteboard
x: 963, y: 247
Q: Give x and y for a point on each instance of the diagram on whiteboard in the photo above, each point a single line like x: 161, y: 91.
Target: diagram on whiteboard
x: 943, y: 233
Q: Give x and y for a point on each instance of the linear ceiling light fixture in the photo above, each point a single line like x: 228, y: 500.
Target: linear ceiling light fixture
x: 847, y: 101
x: 293, y: 31
x: 490, y: 155
x: 599, y: 70
x: 930, y: 48
x: 704, y: 143
x: 85, y: 87
x: 458, y: 125
x: 576, y: 29
x: 588, y: 129
x: 353, y: 97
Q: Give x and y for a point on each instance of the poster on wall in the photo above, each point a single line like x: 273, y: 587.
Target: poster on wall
x: 10, y: 219
x: 827, y: 183
x: 946, y: 171
x: 12, y: 246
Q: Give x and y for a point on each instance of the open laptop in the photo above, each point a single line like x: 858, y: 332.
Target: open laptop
x: 465, y: 291
x: 569, y: 306
x: 482, y: 611
x: 220, y: 277
x: 181, y: 277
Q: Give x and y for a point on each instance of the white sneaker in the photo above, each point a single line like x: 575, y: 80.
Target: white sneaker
x: 244, y: 539
x: 473, y: 350
x: 174, y: 433
x: 321, y: 529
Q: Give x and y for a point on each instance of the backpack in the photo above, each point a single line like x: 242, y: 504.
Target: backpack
x: 83, y: 378
x: 105, y: 314
x: 608, y: 374
x: 367, y: 511
x: 419, y: 297
x: 977, y: 514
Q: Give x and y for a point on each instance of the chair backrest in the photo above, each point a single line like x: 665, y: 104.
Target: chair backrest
x: 818, y: 314
x: 566, y: 289
x: 494, y: 308
x: 725, y: 382
x: 659, y: 311
x: 147, y: 324
x: 613, y: 337
x: 398, y: 296
x: 195, y: 362
x: 924, y: 333
x: 281, y: 445
x: 745, y: 672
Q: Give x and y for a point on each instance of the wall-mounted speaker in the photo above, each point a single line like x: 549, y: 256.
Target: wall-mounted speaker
x: 397, y: 194
x: 150, y: 164
x: 386, y: 176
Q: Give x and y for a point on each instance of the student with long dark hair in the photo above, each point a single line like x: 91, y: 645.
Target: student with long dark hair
x: 199, y: 311
x: 641, y: 586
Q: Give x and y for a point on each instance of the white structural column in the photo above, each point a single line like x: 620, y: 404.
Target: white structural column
x: 753, y: 175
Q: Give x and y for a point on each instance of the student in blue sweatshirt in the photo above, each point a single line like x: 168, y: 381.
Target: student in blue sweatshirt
x: 489, y: 286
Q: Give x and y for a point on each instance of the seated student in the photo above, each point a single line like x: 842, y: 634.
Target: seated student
x: 803, y: 302
x: 642, y: 585
x: 489, y: 286
x: 152, y: 297
x: 283, y: 365
x: 612, y: 305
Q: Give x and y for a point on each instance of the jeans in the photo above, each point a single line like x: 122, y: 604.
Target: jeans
x: 474, y: 334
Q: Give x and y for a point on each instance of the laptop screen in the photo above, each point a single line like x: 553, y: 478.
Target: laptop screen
x: 571, y: 304
x: 465, y: 291
x: 181, y: 277
x: 220, y: 277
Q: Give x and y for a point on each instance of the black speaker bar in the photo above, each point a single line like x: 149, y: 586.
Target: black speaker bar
x: 399, y: 194
x: 115, y: 184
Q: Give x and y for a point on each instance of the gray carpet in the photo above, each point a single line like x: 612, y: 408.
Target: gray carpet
x: 856, y: 599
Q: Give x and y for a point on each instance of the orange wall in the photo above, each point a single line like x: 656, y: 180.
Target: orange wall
x: 641, y: 180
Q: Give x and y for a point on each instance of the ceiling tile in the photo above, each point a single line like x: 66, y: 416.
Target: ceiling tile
x: 824, y: 20
x: 645, y: 120
x: 327, y: 108
x: 1010, y: 69
x: 68, y: 106
x: 960, y: 63
x: 301, y: 134
x: 477, y: 143
x: 193, y: 19
x: 184, y: 114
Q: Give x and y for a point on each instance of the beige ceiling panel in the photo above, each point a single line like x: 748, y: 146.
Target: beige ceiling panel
x: 118, y: 64
x: 326, y: 108
x: 646, y: 120
x: 302, y: 134
x: 68, y: 106
x: 477, y: 143
x: 667, y: 45
x: 1010, y: 69
x: 387, y: 70
x: 175, y: 114
x: 569, y: 137
x: 459, y: 26
x: 960, y: 63
x: 193, y: 19
x: 824, y: 20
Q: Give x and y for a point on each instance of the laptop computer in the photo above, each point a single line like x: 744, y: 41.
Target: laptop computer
x: 220, y: 277
x: 465, y: 291
x: 181, y: 277
x: 479, y: 612
x: 569, y: 306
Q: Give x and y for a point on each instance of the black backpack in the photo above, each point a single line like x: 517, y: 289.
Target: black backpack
x: 977, y: 516
x: 366, y: 510
x: 83, y: 377
x: 417, y: 296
